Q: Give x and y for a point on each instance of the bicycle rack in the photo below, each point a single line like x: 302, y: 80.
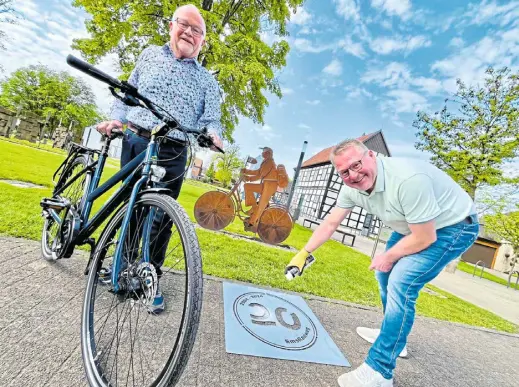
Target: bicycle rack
x: 512, y: 272
x: 483, y: 266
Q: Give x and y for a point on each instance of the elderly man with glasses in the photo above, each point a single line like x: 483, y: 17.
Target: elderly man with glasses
x: 433, y: 221
x: 172, y: 78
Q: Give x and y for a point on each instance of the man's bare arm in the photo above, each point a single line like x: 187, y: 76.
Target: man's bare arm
x: 327, y: 228
x: 422, y: 236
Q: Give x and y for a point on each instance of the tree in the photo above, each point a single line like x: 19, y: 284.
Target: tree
x: 473, y: 143
x: 235, y: 53
x: 210, y: 173
x: 41, y: 91
x: 506, y: 226
x: 228, y: 164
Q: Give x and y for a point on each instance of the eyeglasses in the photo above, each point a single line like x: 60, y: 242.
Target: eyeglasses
x: 354, y: 167
x: 184, y: 25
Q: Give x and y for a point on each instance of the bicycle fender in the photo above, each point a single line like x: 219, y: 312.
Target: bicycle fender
x: 160, y: 190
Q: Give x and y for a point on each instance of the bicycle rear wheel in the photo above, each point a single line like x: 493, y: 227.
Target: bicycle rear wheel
x: 122, y: 341
x: 53, y: 235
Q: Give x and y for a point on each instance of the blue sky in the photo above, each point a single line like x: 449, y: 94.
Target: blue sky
x: 355, y: 66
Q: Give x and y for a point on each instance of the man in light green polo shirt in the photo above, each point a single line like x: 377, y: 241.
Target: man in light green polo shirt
x: 433, y: 221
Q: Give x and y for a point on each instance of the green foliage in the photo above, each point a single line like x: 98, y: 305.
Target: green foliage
x: 224, y: 176
x: 340, y: 272
x: 505, y: 225
x: 472, y: 143
x: 40, y: 91
x: 210, y: 173
x: 228, y: 164
x: 235, y: 53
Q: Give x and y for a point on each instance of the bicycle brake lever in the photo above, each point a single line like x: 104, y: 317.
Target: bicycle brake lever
x: 207, y: 142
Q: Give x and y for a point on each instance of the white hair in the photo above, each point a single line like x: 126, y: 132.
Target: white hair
x: 188, y: 7
x: 345, y: 145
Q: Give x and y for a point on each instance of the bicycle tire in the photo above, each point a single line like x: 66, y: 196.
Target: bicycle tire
x: 184, y: 342
x: 80, y: 162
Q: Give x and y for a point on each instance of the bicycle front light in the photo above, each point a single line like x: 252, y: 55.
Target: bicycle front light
x: 157, y: 173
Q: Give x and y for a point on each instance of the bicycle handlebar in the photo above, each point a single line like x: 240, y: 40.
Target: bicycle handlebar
x: 88, y: 69
x: 128, y: 89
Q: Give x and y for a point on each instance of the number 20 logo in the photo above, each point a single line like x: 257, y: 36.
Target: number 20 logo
x: 263, y: 317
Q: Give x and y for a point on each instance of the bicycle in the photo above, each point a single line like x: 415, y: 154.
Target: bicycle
x: 137, y: 213
x: 215, y: 210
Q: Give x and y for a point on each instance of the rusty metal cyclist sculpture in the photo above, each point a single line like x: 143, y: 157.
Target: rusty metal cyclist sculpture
x: 215, y: 210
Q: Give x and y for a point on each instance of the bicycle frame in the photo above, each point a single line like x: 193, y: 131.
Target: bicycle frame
x: 129, y: 190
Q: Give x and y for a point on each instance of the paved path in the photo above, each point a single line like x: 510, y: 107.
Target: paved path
x: 39, y: 337
x: 486, y: 294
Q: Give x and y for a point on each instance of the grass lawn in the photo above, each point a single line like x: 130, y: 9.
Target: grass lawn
x: 469, y: 268
x: 340, y: 272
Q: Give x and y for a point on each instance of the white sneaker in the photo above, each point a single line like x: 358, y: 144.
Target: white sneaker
x: 370, y: 335
x: 364, y: 376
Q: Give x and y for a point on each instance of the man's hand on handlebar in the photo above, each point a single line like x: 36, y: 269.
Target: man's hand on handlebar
x: 106, y: 127
x: 216, y: 141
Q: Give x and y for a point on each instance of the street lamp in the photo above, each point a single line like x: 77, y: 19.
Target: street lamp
x: 296, y: 175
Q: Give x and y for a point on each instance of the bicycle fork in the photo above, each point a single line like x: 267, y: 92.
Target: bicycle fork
x: 119, y: 251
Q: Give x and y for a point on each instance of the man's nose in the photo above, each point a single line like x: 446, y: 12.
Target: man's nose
x: 354, y: 175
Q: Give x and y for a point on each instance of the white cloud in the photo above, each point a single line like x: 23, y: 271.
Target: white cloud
x: 398, y: 75
x: 430, y: 85
x: 386, y: 24
x: 29, y: 9
x: 356, y: 93
x: 393, y: 75
x: 287, y: 91
x: 307, y: 31
x: 266, y: 132
x: 334, y: 68
x: 405, y: 101
x: 45, y: 38
x: 491, y: 12
x: 313, y: 102
x: 305, y: 45
x: 349, y: 9
x: 303, y: 126
x: 351, y: 47
x: 300, y: 17
x: 386, y: 45
x: 401, y: 8
x: 469, y: 64
x: 456, y: 42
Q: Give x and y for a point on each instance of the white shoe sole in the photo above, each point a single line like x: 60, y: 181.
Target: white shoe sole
x: 371, y: 340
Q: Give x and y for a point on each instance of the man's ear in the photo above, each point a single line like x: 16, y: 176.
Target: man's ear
x: 170, y: 25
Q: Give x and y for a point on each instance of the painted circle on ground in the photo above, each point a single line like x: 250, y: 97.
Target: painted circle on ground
x: 275, y: 321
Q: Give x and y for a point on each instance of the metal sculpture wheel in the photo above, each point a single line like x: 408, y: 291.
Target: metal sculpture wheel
x: 215, y: 210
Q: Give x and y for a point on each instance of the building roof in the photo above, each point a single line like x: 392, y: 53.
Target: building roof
x: 323, y: 156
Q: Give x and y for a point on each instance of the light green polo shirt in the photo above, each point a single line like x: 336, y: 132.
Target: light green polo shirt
x: 409, y: 191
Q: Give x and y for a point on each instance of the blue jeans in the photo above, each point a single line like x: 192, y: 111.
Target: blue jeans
x: 399, y: 289
x: 173, y: 157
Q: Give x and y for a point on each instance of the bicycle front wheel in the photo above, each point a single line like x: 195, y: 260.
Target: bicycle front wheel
x: 123, y: 340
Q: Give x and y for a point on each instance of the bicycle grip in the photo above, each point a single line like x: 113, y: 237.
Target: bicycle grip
x: 88, y: 69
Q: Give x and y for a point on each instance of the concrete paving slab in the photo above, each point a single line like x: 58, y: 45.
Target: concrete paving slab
x: 39, y: 345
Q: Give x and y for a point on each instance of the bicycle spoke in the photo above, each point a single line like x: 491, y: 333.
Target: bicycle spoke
x: 134, y: 349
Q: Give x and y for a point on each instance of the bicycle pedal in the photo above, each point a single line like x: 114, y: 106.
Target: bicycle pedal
x: 54, y: 204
